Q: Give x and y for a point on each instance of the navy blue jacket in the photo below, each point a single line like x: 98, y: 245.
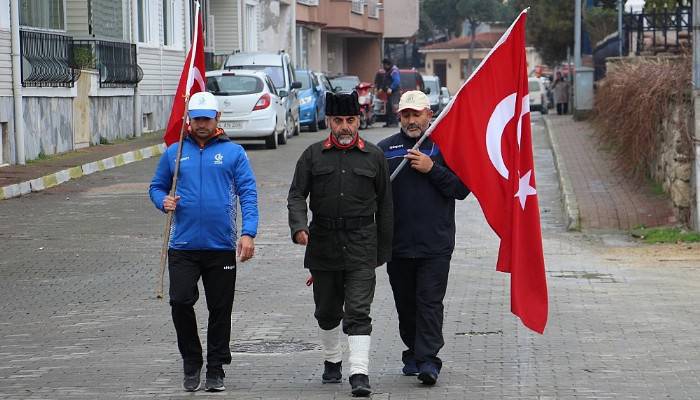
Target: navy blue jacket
x: 424, y: 204
x: 212, y: 180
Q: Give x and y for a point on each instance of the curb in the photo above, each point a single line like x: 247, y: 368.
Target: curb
x: 568, y: 197
x: 57, y: 178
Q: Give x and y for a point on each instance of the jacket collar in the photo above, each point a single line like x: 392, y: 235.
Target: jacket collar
x: 360, y: 144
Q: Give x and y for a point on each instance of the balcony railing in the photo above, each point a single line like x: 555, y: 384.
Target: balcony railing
x: 358, y: 6
x: 115, y: 62
x: 308, y: 2
x: 47, y: 59
x: 659, y: 30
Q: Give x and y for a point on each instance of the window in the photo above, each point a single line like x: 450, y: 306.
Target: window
x: 234, y: 85
x: 168, y: 22
x: 464, y: 66
x: 107, y: 19
x: 251, y: 28
x: 48, y: 14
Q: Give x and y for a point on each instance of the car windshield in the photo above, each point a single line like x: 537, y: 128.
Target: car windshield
x: 533, y: 86
x: 305, y: 79
x: 346, y: 83
x: 276, y: 73
x: 234, y: 85
x: 433, y: 85
x: 409, y: 81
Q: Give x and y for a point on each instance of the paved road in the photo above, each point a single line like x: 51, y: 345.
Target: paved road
x: 78, y: 318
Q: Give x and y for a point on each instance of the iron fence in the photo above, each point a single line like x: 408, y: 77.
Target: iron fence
x: 47, y: 59
x: 115, y: 62
x: 659, y: 30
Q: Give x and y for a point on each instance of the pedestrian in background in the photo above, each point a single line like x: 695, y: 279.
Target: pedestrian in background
x: 424, y: 236
x: 391, y: 86
x: 561, y: 90
x: 347, y: 183
x: 214, y: 175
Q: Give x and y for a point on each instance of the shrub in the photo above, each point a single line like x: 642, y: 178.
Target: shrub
x: 632, y: 103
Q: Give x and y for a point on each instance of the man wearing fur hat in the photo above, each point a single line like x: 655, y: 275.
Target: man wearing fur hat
x: 347, y: 183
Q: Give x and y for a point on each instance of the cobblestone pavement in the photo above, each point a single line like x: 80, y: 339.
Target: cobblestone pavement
x: 79, y: 319
x: 606, y: 199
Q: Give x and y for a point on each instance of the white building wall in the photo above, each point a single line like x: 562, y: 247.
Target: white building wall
x: 401, y: 18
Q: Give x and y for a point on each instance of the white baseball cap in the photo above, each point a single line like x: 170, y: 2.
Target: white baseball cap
x: 203, y: 104
x: 414, y: 100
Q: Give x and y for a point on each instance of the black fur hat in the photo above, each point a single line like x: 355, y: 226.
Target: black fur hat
x: 342, y: 104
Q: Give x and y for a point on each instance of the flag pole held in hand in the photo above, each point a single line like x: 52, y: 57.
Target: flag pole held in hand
x: 192, y: 72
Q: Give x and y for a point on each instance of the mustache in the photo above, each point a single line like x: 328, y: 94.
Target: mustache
x: 412, y: 126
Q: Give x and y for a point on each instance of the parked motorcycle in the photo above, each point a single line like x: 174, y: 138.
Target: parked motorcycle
x: 366, y: 100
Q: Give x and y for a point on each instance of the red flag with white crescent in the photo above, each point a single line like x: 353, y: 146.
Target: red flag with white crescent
x: 192, y: 80
x: 486, y: 138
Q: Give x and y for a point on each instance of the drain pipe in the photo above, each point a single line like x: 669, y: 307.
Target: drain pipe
x: 138, y: 123
x: 20, y: 156
x: 696, y: 106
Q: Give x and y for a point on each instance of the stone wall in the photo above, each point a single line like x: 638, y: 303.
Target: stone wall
x: 48, y: 125
x: 673, y: 163
x: 111, y: 118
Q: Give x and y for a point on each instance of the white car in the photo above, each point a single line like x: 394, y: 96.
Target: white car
x: 250, y: 106
x: 538, y: 95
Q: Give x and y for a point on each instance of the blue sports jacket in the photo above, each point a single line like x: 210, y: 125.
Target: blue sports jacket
x: 211, y: 181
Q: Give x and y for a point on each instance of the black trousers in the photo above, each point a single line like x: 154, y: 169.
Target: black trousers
x: 353, y: 289
x: 391, y: 105
x: 562, y: 108
x: 419, y: 286
x: 218, y: 272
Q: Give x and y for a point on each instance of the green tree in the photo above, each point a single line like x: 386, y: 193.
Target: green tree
x: 476, y: 12
x: 599, y: 22
x: 660, y: 5
x: 442, y: 15
x: 550, y: 27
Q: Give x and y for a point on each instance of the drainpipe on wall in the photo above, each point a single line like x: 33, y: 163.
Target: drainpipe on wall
x: 138, y: 123
x: 696, y: 107
x: 17, y: 84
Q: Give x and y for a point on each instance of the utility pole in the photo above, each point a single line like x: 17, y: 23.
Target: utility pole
x: 620, y: 9
x: 577, y: 36
x: 696, y: 106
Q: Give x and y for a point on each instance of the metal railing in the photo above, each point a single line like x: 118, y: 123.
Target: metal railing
x: 47, y: 59
x: 115, y: 61
x: 659, y: 30
x: 358, y: 6
x: 308, y: 2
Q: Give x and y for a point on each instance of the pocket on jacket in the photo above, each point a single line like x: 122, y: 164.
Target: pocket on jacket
x: 322, y: 176
x: 363, y: 183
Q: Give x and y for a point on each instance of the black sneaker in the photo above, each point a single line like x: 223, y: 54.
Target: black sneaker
x: 360, y: 385
x: 428, y: 374
x: 332, y: 372
x: 215, y: 380
x: 191, y: 381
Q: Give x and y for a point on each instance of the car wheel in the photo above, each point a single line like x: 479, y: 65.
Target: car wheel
x: 271, y: 141
x: 282, y: 137
x: 297, y: 128
x: 322, y: 124
x: 288, y: 126
x: 314, y: 124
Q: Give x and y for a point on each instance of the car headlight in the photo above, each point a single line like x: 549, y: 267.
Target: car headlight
x: 305, y: 100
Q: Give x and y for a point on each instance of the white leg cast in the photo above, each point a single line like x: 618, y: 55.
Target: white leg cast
x: 331, y: 345
x: 359, y: 354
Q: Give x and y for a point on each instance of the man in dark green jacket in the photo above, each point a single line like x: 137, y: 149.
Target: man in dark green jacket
x: 347, y: 183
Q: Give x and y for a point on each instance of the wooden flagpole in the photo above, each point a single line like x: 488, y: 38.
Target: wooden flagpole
x: 173, y: 187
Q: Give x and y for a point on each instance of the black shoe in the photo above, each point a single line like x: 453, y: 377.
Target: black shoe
x: 332, y: 372
x: 360, y: 385
x: 192, y: 381
x: 428, y: 374
x: 215, y: 380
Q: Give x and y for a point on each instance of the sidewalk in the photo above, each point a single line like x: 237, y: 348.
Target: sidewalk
x: 596, y: 195
x: 16, y: 180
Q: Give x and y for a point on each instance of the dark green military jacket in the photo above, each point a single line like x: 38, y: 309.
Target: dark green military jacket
x: 350, y: 200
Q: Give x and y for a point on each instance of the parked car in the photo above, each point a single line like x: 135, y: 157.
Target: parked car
x: 446, y: 96
x: 279, y: 67
x: 538, y: 95
x: 250, y: 106
x: 432, y: 82
x: 410, y: 80
x: 312, y: 100
x: 345, y: 83
x: 323, y: 79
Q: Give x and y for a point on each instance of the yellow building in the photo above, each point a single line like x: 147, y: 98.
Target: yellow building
x: 449, y: 60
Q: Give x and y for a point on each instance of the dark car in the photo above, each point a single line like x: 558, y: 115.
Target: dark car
x: 410, y: 80
x: 345, y: 83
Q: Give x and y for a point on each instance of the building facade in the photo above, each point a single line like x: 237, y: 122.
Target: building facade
x: 340, y: 36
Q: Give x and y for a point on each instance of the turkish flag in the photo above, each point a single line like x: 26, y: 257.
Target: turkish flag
x: 192, y: 80
x: 485, y: 136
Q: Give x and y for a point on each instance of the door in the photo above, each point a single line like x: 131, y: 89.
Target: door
x: 440, y: 69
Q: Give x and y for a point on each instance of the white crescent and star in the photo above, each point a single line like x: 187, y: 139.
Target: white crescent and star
x: 501, y: 116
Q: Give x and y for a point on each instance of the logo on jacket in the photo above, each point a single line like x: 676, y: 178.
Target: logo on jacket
x: 396, y: 146
x: 219, y: 158
x: 229, y: 267
x: 184, y: 158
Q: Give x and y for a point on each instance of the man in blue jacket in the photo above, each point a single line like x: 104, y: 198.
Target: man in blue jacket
x: 424, y: 236
x: 392, y: 88
x: 214, y: 174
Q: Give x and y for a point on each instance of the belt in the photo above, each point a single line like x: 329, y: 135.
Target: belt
x: 343, y: 223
